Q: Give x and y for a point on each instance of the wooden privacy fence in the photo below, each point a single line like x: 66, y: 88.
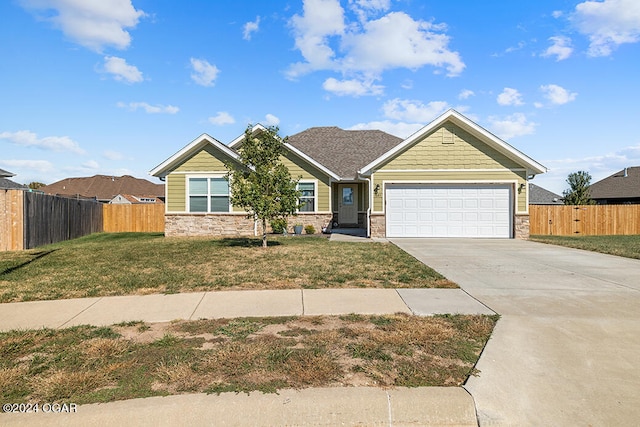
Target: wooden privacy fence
x: 584, y: 220
x: 133, y: 218
x: 29, y: 220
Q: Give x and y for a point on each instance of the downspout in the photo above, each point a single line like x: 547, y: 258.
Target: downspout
x: 369, y: 207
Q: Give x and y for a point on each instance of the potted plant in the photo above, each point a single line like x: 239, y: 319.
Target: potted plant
x: 297, y: 229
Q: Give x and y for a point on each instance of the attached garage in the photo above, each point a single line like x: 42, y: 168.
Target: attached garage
x: 449, y: 210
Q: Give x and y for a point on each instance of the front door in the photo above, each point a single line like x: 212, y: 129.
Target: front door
x: 348, y: 204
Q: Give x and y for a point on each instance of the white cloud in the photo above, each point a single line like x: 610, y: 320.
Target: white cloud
x: 92, y: 24
x: 398, y: 41
x: 557, y: 13
x: 557, y: 95
x: 150, y: 109
x: 399, y: 129
x: 511, y: 126
x: 112, y: 155
x: 510, y: 96
x: 608, y: 24
x: 351, y: 87
x: 27, y: 138
x: 413, y: 111
x: 122, y: 71
x: 28, y: 166
x: 466, y: 94
x: 91, y: 164
x: 250, y: 28
x: 560, y: 48
x: 367, y: 47
x: 271, y: 120
x: 222, y: 118
x: 204, y: 73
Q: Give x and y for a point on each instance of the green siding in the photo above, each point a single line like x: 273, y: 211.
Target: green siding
x: 450, y: 147
x: 210, y: 160
x: 471, y: 176
x: 300, y: 168
x: 176, y: 193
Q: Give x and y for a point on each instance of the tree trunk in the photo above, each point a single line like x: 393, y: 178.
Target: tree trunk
x: 264, y: 233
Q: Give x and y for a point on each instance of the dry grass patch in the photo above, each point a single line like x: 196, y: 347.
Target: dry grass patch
x: 89, y: 364
x: 144, y: 263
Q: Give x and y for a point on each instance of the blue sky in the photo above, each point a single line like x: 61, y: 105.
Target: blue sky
x: 117, y: 86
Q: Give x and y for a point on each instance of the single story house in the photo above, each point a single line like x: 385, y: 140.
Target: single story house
x: 623, y: 187
x: 130, y: 199
x: 452, y: 178
x: 542, y: 196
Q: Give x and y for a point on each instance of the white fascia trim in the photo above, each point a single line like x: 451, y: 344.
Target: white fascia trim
x: 203, y: 140
x: 512, y: 182
x: 239, y: 139
x: 464, y: 122
x: 450, y: 170
x: 311, y: 161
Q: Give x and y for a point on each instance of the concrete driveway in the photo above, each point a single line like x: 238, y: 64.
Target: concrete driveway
x: 566, y: 350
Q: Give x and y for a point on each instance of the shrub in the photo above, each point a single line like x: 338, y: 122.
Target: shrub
x: 309, y: 229
x: 279, y: 225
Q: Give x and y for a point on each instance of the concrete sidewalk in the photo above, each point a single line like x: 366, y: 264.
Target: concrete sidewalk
x: 104, y: 311
x: 426, y: 406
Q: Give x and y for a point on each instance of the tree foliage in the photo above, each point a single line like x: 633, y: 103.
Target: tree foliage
x: 34, y: 185
x: 578, y: 192
x: 262, y: 184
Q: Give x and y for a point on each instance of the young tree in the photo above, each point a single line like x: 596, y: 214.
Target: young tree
x: 34, y: 185
x: 578, y: 192
x: 262, y: 185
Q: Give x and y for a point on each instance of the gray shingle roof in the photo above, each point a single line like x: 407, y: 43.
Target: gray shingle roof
x: 343, y: 151
x: 8, y: 184
x: 618, y: 186
x: 542, y: 196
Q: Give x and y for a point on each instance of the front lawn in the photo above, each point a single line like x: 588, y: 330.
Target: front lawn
x: 626, y: 246
x: 88, y: 364
x: 142, y: 263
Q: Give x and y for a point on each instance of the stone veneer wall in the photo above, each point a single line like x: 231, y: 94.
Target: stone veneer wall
x: 182, y: 225
x: 522, y: 227
x: 378, y: 225
x: 317, y: 220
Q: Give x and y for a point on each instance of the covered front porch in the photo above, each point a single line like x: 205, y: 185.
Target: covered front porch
x: 350, y: 208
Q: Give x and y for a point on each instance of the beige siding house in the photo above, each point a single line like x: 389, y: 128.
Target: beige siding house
x: 450, y: 179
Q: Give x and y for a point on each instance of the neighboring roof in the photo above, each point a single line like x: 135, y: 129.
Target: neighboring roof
x: 542, y: 196
x: 6, y: 174
x: 620, y: 185
x: 136, y: 200
x: 7, y: 184
x: 164, y: 168
x: 479, y: 132
x: 104, y: 187
x: 343, y: 151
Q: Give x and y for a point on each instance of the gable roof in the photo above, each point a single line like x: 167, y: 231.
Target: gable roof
x: 623, y: 184
x: 104, y: 187
x: 6, y: 174
x: 343, y: 151
x: 204, y: 140
x: 479, y: 132
x: 542, y: 196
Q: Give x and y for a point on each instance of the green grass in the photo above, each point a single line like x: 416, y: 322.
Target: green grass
x: 87, y: 364
x: 142, y: 263
x: 626, y: 246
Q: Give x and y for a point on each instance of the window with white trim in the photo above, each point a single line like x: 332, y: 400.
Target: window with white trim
x: 308, y: 196
x: 208, y: 195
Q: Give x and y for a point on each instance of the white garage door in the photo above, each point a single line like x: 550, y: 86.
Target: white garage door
x: 456, y: 210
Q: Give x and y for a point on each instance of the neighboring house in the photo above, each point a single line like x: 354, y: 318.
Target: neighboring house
x: 622, y: 187
x: 542, y: 196
x: 452, y: 178
x: 104, y: 188
x: 128, y: 199
x: 7, y: 184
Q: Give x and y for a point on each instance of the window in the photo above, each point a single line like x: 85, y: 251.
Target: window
x: 208, y: 195
x: 308, y: 196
